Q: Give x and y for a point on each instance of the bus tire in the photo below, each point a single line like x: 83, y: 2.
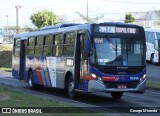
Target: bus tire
x: 31, y: 84
x: 152, y: 59
x: 70, y: 88
x: 116, y: 95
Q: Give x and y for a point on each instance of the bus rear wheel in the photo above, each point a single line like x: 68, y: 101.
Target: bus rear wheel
x: 31, y: 84
x: 70, y: 88
x: 116, y: 95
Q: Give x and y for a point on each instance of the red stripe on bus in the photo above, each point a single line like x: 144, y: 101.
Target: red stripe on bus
x: 88, y: 77
x: 109, y: 78
x: 39, y: 75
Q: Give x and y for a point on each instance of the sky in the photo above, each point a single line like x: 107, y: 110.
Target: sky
x: 68, y: 8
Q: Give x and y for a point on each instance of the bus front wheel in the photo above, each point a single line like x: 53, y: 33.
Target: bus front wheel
x: 70, y: 88
x: 116, y: 95
x: 152, y: 59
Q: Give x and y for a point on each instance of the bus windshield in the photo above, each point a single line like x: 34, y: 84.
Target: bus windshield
x: 117, y: 52
x: 158, y: 35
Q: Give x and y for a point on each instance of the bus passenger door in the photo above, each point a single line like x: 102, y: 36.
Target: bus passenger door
x: 80, y: 61
x: 22, y: 60
x: 16, y: 58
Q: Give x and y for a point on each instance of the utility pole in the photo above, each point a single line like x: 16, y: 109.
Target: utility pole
x: 87, y: 11
x: 18, y: 25
x: 7, y: 26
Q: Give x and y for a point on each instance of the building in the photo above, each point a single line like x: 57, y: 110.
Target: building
x: 147, y: 19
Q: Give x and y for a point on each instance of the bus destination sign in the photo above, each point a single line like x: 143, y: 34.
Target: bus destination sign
x: 113, y: 29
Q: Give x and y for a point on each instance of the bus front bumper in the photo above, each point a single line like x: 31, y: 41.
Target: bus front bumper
x: 95, y: 86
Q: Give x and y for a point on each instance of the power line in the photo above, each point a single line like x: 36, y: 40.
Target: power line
x: 133, y: 2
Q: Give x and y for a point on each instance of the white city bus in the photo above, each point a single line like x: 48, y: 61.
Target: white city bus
x: 153, y: 45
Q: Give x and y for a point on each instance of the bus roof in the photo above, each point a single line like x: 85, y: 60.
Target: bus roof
x: 67, y: 27
x: 58, y: 26
x: 152, y: 29
x: 53, y: 29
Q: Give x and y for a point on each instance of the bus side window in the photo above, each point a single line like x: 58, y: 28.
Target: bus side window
x: 16, y: 47
x: 58, y: 46
x: 48, y: 42
x: 69, y: 42
x: 17, y: 53
x: 39, y: 46
x: 31, y: 44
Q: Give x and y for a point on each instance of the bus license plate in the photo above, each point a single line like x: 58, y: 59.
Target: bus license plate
x: 122, y: 86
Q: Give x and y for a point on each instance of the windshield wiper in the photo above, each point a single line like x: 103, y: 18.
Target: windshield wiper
x: 116, y: 49
x: 127, y: 49
x: 111, y: 45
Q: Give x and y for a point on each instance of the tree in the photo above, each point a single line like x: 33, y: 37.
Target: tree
x: 129, y: 18
x: 43, y: 18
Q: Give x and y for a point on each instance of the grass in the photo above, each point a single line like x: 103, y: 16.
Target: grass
x: 18, y: 99
x: 6, y: 66
x: 5, y: 57
x: 5, y: 69
x: 153, y: 85
x: 10, y: 98
x: 5, y: 47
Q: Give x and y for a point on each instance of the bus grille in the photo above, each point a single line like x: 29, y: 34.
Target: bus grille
x: 115, y: 84
x: 115, y: 71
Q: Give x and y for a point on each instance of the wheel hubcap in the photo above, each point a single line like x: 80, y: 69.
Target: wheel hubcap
x: 71, y: 86
x: 30, y: 83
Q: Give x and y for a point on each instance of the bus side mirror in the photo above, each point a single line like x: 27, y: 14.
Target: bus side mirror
x: 88, y: 47
x: 159, y: 44
x: 89, y: 54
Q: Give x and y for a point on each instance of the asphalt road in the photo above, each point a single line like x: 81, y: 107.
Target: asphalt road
x: 149, y: 99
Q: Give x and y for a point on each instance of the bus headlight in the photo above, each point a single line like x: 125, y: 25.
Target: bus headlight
x: 96, y: 77
x: 142, y: 78
x: 93, y: 75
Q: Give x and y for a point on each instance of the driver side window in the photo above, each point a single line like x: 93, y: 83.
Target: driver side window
x: 92, y: 54
x: 156, y: 44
